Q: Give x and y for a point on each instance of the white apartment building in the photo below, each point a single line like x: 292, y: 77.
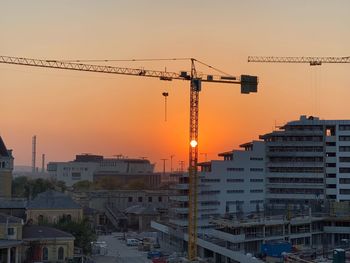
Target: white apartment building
x: 72, y: 172
x: 88, y: 167
x: 229, y: 186
x: 308, y: 160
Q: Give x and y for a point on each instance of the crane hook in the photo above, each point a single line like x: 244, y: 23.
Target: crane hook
x: 165, y: 94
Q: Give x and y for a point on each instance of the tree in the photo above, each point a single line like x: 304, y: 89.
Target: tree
x: 26, y: 187
x: 80, y: 230
x: 18, y: 186
x: 83, y: 186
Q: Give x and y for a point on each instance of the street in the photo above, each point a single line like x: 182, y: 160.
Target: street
x: 119, y: 252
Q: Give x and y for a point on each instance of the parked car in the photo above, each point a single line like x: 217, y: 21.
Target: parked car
x: 132, y: 242
x: 154, y: 254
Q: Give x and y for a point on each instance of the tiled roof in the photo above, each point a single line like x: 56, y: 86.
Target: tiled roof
x: 13, y: 204
x: 44, y: 232
x: 52, y: 200
x: 3, y: 150
x: 141, y: 210
x: 9, y: 219
x: 5, y: 243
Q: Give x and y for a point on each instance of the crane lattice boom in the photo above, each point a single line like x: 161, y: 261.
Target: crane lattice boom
x: 248, y: 84
x: 162, y: 75
x: 313, y: 61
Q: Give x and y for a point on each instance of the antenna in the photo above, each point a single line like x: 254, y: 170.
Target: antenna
x: 43, y: 163
x: 164, y: 160
x: 33, y: 154
x: 171, y: 162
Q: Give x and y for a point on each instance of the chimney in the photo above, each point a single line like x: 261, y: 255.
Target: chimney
x: 33, y: 154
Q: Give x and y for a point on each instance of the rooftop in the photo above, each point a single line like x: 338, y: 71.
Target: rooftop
x: 12, y: 204
x: 3, y: 149
x: 141, y: 210
x: 44, y: 232
x: 9, y: 219
x: 52, y: 200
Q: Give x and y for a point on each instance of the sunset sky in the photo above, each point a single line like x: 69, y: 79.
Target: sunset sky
x: 77, y: 112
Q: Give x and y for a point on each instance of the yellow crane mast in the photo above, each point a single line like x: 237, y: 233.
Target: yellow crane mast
x: 248, y: 84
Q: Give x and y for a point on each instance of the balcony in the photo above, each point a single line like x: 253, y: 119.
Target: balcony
x: 180, y: 187
x: 337, y: 229
x: 331, y: 180
x: 179, y: 198
x: 227, y: 236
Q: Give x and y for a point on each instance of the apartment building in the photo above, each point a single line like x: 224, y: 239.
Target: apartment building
x: 308, y: 161
x: 233, y: 185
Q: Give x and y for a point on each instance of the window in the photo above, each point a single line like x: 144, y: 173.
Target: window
x: 256, y: 169
x: 210, y: 180
x: 68, y: 218
x: 209, y: 203
x: 60, y: 255
x: 256, y: 158
x: 330, y: 165
x: 344, y: 127
x: 344, y: 191
x: 150, y: 199
x: 257, y: 201
x: 235, y: 180
x: 210, y: 192
x: 76, y: 176
x: 235, y: 191
x: 330, y: 144
x: 140, y: 199
x: 40, y: 219
x: 10, y: 231
x: 160, y: 199
x: 344, y: 159
x: 331, y: 175
x: 344, y: 170
x: 344, y: 148
x: 130, y: 199
x: 256, y: 191
x: 232, y: 169
x: 256, y: 180
x: 344, y: 180
x: 45, y: 253
x: 331, y: 154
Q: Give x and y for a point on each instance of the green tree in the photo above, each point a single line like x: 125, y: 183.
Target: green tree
x: 80, y: 230
x: 83, y: 186
x: 26, y: 187
x: 18, y: 186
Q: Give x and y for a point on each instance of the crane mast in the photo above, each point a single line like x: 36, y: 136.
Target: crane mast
x: 313, y: 61
x: 248, y: 84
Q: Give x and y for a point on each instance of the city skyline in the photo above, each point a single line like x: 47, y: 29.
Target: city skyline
x: 75, y: 112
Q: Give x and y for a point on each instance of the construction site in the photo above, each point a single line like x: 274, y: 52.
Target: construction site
x: 243, y: 193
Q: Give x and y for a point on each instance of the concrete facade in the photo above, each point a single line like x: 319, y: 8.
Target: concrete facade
x: 233, y: 185
x: 308, y: 160
x: 51, y: 216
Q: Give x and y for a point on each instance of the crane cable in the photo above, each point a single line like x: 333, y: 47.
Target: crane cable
x: 147, y: 59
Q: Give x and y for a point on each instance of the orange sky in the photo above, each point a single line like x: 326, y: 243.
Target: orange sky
x: 75, y: 112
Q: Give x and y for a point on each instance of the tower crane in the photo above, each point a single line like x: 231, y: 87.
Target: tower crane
x: 248, y: 84
x: 313, y: 61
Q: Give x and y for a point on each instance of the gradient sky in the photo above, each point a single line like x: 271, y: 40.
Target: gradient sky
x: 77, y: 112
